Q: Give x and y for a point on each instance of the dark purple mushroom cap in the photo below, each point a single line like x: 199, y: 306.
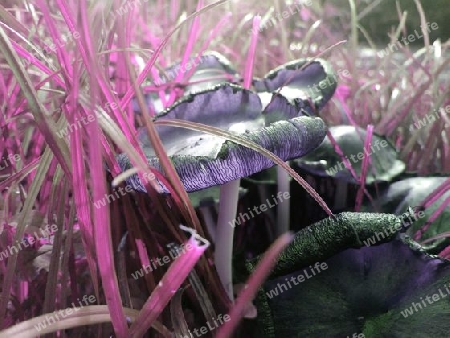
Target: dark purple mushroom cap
x: 360, y: 289
x: 317, y: 81
x: 326, y: 162
x: 207, y: 66
x: 211, y: 64
x: 202, y: 160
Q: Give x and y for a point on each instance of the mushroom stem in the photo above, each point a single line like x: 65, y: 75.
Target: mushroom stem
x: 228, y: 200
x: 283, y: 207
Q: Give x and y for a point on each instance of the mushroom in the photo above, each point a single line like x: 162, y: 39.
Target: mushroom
x: 203, y: 161
x: 209, y: 70
x: 317, y: 82
x: 328, y: 283
x: 213, y: 70
x: 324, y: 161
x: 308, y: 83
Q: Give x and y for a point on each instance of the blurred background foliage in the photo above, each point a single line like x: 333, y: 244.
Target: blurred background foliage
x: 384, y: 18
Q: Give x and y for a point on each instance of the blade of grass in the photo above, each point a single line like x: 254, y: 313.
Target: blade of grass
x: 40, y: 113
x: 44, y: 164
x: 173, y: 278
x: 260, y: 274
x: 87, y: 315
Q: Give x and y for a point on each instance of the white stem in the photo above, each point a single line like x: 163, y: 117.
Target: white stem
x: 283, y: 208
x: 228, y: 200
x: 340, y: 195
x: 209, y: 221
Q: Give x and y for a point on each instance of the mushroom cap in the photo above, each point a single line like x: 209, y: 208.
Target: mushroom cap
x: 326, y: 162
x: 359, y: 290
x: 207, y: 66
x: 203, y: 160
x: 317, y: 81
x: 214, y: 65
x: 411, y: 192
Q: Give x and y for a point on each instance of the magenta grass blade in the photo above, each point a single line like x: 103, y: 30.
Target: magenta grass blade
x: 101, y: 216
x: 193, y: 36
x: 170, y: 283
x: 102, y: 235
x: 255, y: 281
x: 248, y: 71
x: 63, y: 57
x: 436, y: 194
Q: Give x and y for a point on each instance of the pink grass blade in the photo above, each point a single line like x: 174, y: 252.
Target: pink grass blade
x: 20, y: 230
x: 102, y: 235
x: 9, y: 20
x: 170, y: 283
x: 111, y: 101
x: 80, y: 188
x: 40, y: 113
x: 214, y: 33
x: 258, y: 277
x: 27, y: 170
x: 193, y: 36
x: 63, y: 57
x: 248, y: 70
x: 430, y: 221
x: 436, y: 194
x: 101, y: 216
x: 445, y: 253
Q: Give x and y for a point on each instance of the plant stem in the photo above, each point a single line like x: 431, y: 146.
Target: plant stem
x: 229, y: 195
